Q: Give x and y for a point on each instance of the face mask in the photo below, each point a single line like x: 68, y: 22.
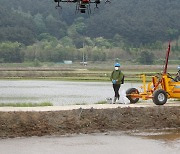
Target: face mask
x: 116, y: 68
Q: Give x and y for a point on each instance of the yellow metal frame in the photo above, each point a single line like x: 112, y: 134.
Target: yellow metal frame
x: 172, y: 88
x: 167, y: 84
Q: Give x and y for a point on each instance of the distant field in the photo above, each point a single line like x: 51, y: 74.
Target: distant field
x: 92, y: 72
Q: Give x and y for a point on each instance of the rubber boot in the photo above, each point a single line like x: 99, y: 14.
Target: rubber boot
x: 114, y: 101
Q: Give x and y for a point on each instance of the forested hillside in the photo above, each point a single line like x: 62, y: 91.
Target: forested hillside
x: 138, y: 21
x: 30, y: 25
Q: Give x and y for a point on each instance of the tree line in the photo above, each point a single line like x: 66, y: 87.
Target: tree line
x: 99, y: 49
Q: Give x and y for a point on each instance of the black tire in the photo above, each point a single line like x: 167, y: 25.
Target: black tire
x: 159, y: 97
x: 132, y: 91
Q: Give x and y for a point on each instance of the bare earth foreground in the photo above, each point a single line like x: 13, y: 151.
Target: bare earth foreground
x: 61, y: 120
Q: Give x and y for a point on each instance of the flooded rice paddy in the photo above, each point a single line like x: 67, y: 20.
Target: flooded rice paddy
x: 56, y: 92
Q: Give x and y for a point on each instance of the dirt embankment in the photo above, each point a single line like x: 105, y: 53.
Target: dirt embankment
x: 14, y: 124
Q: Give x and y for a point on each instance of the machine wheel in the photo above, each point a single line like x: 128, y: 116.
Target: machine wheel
x: 132, y: 91
x: 159, y: 97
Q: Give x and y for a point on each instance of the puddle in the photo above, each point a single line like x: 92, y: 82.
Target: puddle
x: 163, y: 135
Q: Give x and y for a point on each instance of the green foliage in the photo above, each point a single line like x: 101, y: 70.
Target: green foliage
x: 67, y: 41
x: 37, y: 63
x: 79, y: 25
x: 101, y: 102
x: 41, y: 27
x: 137, y: 22
x: 34, y: 31
x: 46, y: 37
x: 146, y: 57
x: 15, y: 27
x: 101, y: 42
x: 173, y: 33
x: 55, y: 27
x: 122, y: 22
x: 10, y: 52
x: 26, y: 104
x: 118, y: 40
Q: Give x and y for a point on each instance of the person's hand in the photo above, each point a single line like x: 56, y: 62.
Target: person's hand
x: 114, y: 81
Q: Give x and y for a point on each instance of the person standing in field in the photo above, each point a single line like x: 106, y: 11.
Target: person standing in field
x: 177, y: 78
x: 117, y: 78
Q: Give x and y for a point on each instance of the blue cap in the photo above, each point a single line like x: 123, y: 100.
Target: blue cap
x: 178, y: 67
x: 117, y: 65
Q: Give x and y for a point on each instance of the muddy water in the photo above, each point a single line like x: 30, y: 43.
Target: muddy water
x: 56, y: 92
x: 110, y: 143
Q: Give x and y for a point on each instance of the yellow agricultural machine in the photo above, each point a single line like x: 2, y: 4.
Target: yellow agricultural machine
x: 159, y: 89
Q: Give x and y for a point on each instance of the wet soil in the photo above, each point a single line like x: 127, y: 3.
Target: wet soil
x: 86, y: 121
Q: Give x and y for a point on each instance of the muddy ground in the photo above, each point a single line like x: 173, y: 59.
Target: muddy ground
x: 18, y: 124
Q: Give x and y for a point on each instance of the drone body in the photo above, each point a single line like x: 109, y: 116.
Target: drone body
x: 81, y: 5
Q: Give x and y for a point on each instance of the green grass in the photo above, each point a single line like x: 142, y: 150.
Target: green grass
x: 78, y: 73
x: 25, y: 104
x: 81, y: 104
x: 101, y: 102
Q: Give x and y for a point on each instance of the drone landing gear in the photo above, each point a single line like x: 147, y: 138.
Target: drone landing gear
x: 58, y: 5
x: 96, y: 7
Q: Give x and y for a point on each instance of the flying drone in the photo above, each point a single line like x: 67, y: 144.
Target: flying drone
x: 81, y: 5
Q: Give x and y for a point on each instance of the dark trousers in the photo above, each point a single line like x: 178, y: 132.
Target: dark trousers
x: 116, y: 89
